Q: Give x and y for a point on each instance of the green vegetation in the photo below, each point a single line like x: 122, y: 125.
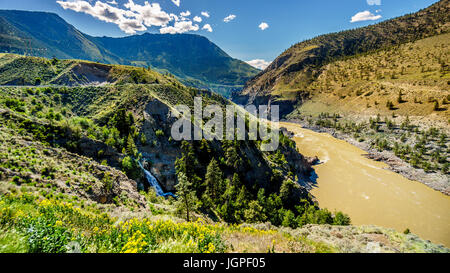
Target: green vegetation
x: 71, y: 118
x: 409, y: 78
x: 357, y: 85
x: 236, y: 200
x: 108, y: 120
x: 186, y: 196
x: 31, y: 224
x: 21, y: 70
x: 70, y: 165
x: 51, y: 226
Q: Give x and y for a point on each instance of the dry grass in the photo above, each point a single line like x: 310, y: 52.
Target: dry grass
x: 268, y: 243
x: 363, y: 85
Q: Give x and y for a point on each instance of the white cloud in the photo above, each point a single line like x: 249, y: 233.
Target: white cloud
x: 185, y: 14
x: 174, y: 17
x: 229, y: 18
x: 364, y: 16
x: 176, y: 2
x: 179, y: 27
x: 198, y: 19
x: 208, y: 28
x: 205, y: 14
x: 263, y: 26
x: 134, y: 17
x: 374, y: 2
x: 149, y: 14
x: 125, y: 19
x: 130, y: 20
x: 259, y: 63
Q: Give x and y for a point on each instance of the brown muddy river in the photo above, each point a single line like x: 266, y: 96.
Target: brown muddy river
x: 370, y: 194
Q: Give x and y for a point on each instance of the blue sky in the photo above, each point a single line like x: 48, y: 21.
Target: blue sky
x: 254, y: 29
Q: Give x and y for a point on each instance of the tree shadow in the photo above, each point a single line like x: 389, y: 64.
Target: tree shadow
x: 310, y: 182
x: 440, y: 109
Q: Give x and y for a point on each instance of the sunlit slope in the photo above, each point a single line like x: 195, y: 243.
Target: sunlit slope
x: 22, y: 70
x: 413, y: 77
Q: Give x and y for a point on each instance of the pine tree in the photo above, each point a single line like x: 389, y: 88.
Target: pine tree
x: 436, y: 105
x: 213, y: 180
x: 205, y: 151
x: 187, y: 200
x: 286, y: 192
x: 390, y: 105
x: 232, y: 158
x: 236, y: 182
x: 341, y: 219
x: 289, y: 219
x: 122, y: 121
x: 241, y: 204
x: 188, y: 163
x: 131, y: 146
x: 254, y: 213
x: 400, y: 97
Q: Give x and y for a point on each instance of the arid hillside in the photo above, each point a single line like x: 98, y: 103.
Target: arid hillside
x: 362, y: 61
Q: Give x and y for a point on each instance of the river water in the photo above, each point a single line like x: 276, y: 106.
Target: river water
x: 370, y: 194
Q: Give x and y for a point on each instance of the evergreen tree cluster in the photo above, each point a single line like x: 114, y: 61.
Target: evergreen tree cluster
x: 223, y: 190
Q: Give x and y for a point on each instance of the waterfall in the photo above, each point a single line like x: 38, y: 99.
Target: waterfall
x: 154, y: 183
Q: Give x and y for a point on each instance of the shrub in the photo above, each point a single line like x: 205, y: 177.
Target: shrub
x: 11, y: 241
x: 15, y: 104
x: 143, y: 140
x: 130, y: 167
x: 289, y: 219
x: 16, y: 180
x: 159, y: 133
x: 390, y: 105
x: 47, y: 235
x: 341, y: 219
x: 48, y: 172
x: 400, y: 97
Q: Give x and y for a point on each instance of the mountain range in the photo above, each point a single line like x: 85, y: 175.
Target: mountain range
x: 193, y: 59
